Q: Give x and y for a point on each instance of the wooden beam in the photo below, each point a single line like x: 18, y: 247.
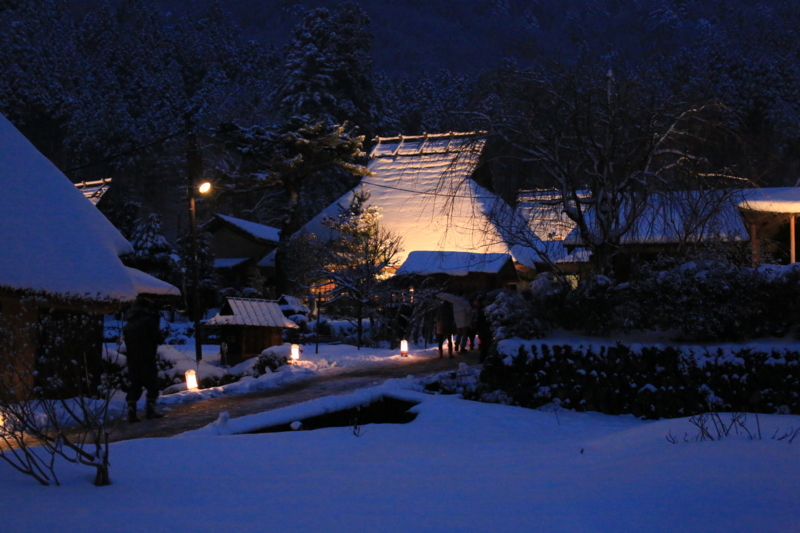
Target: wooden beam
x: 792, y: 245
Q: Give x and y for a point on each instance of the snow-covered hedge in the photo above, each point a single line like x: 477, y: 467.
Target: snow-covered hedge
x: 652, y: 382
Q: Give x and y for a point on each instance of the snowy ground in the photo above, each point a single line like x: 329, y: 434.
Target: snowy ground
x: 460, y: 466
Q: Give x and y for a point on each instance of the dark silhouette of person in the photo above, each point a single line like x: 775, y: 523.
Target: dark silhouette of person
x: 445, y: 327
x: 142, y: 336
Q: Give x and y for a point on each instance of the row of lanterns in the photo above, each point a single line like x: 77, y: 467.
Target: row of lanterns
x: 191, y: 375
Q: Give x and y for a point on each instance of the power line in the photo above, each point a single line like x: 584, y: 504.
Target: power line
x: 123, y: 154
x: 424, y: 193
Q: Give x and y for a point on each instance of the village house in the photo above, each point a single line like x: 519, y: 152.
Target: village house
x: 673, y: 221
x: 59, y: 263
x: 428, y: 194
x: 463, y: 271
x: 238, y: 245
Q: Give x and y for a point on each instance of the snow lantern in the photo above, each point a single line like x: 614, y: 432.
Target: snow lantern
x: 191, y: 380
x: 295, y: 352
x: 404, y: 348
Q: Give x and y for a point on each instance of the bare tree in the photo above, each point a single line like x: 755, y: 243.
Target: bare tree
x: 603, y: 143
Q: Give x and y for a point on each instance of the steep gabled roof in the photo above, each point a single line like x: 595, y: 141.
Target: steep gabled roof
x: 424, y: 188
x: 251, y: 312
x: 52, y: 240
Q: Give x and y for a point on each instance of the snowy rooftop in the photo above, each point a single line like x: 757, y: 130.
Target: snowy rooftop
x: 452, y: 263
x: 292, y: 304
x: 681, y: 215
x: 52, y: 240
x: 424, y: 189
x: 229, y: 262
x: 251, y: 312
x: 259, y: 231
x: 782, y: 200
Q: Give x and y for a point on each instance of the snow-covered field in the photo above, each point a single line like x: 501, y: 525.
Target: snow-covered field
x: 460, y: 466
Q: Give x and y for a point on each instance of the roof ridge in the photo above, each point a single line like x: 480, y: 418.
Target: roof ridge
x: 429, y: 136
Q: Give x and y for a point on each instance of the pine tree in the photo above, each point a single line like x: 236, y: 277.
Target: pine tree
x: 151, y: 251
x: 327, y: 69
x: 360, y: 256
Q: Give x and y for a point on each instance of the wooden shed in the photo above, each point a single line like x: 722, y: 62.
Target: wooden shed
x: 250, y: 325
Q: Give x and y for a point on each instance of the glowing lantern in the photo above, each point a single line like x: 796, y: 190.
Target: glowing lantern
x: 191, y: 380
x: 204, y: 187
x: 295, y: 352
x: 404, y: 348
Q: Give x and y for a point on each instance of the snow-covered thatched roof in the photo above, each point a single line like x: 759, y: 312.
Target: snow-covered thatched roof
x: 52, y: 240
x: 425, y: 263
x: 681, y: 216
x: 424, y: 188
x: 255, y: 230
x: 779, y: 200
x: 251, y: 312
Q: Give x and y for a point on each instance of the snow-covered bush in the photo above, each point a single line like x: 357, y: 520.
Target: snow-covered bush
x: 714, y: 300
x: 271, y: 360
x: 514, y: 315
x: 591, y: 308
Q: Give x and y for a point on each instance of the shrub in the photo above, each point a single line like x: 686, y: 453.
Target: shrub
x: 654, y: 382
x: 271, y: 360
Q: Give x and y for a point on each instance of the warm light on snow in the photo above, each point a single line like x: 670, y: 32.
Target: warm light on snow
x: 191, y: 380
x: 404, y: 348
x: 204, y: 187
x: 295, y: 352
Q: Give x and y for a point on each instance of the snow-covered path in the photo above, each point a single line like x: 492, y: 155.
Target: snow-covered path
x: 338, y: 380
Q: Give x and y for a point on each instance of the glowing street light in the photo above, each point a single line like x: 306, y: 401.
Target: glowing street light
x: 295, y: 352
x: 404, y: 348
x: 191, y: 380
x: 204, y: 187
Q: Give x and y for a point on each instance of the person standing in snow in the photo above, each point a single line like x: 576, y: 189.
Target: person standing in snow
x: 142, y: 336
x: 463, y: 316
x: 445, y: 327
x: 483, y: 329
x: 462, y: 312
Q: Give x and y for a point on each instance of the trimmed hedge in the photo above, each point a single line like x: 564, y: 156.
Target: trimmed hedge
x: 654, y: 382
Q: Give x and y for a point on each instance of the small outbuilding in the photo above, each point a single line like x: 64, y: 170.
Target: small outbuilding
x: 463, y: 271
x: 248, y: 326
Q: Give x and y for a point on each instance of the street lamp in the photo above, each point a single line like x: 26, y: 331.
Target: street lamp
x: 204, y: 188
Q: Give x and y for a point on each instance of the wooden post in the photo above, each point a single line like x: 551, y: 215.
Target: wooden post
x: 792, y: 246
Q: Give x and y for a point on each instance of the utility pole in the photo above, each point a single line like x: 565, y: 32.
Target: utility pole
x: 194, y: 164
